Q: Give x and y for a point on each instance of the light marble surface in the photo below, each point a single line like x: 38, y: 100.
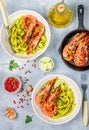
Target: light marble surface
x: 41, y: 7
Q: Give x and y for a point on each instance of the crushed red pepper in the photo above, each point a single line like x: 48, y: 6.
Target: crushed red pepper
x: 11, y: 84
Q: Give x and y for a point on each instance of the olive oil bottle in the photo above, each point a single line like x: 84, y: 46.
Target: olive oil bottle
x: 60, y: 15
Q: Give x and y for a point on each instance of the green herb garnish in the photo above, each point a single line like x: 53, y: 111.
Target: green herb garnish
x: 62, y: 102
x: 48, y: 103
x: 13, y: 65
x: 30, y: 32
x: 41, y: 102
x: 43, y: 96
x: 66, y: 56
x: 28, y: 119
x: 41, y: 27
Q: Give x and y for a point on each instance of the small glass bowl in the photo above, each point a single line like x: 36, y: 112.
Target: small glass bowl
x: 46, y: 64
x: 19, y: 87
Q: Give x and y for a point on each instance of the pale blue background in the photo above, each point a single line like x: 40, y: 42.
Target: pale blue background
x: 42, y: 7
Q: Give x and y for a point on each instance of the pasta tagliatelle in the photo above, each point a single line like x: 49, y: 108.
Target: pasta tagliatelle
x: 16, y: 37
x: 17, y: 33
x: 65, y: 102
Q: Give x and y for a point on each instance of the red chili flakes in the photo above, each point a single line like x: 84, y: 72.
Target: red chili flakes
x: 28, y: 71
x: 23, y: 95
x: 30, y: 99
x: 34, y: 65
x: 22, y: 106
x: 14, y: 101
x: 21, y: 99
x: 24, y: 64
x: 26, y: 79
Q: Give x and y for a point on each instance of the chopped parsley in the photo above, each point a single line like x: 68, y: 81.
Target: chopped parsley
x: 41, y: 27
x: 43, y: 96
x: 41, y: 102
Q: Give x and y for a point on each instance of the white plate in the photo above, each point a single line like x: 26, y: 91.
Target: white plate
x: 77, y: 97
x: 4, y: 38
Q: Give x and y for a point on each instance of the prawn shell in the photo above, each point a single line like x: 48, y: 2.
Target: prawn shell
x: 45, y: 91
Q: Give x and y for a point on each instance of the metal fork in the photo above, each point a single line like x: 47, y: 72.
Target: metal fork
x: 84, y: 101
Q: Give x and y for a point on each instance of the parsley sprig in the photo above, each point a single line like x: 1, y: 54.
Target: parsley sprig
x: 13, y: 65
x: 28, y: 119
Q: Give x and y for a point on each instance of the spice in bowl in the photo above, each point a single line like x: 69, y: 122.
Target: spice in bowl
x: 46, y: 64
x: 12, y: 84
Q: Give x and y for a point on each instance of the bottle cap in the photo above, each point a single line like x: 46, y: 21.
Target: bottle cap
x: 61, y: 8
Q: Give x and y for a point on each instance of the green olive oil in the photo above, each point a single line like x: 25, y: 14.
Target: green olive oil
x: 60, y: 15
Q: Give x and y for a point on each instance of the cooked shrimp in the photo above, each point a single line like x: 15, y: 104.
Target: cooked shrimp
x: 66, y: 54
x: 50, y: 106
x: 27, y: 20
x: 70, y: 49
x: 43, y: 94
x: 82, y: 53
x: 50, y: 109
x: 29, y: 23
x: 35, y: 37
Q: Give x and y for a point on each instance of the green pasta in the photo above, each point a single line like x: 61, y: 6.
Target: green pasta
x: 17, y: 32
x: 65, y: 102
x: 16, y: 37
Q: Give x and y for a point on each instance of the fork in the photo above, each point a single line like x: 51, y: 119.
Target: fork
x: 84, y: 101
